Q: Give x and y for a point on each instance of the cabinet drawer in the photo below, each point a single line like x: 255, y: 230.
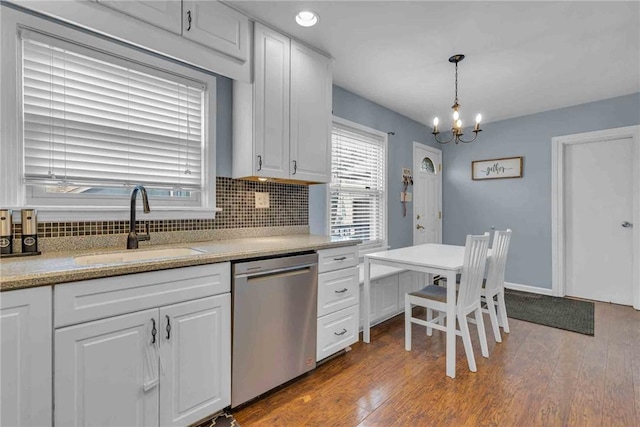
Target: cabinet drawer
x: 100, y: 298
x: 337, y: 290
x: 337, y: 258
x: 337, y: 331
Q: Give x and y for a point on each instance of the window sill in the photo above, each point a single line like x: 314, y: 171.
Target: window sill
x: 67, y: 214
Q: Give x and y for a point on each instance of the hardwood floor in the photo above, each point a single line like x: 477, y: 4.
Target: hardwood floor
x: 538, y: 376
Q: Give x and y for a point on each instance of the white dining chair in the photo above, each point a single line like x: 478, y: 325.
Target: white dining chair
x: 493, y: 289
x: 434, y: 298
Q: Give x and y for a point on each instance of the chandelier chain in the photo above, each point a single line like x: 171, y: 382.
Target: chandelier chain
x: 456, y: 100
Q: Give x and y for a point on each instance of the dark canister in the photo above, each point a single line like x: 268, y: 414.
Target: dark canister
x: 6, y: 231
x: 29, y: 230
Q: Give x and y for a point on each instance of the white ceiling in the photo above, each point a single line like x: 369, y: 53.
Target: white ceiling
x: 521, y: 57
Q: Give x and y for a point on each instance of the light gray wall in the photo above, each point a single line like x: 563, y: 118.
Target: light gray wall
x: 350, y: 106
x: 524, y: 205
x: 224, y: 130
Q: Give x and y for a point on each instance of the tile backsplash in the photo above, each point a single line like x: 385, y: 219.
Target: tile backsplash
x: 289, y: 206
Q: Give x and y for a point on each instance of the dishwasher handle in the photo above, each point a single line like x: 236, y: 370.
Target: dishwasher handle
x: 261, y: 274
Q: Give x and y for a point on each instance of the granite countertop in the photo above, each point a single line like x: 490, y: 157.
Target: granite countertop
x: 60, y: 267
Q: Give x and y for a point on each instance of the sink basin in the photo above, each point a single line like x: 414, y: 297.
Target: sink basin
x: 134, y: 255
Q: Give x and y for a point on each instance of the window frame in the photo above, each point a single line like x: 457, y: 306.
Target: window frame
x: 13, y: 190
x: 364, y: 247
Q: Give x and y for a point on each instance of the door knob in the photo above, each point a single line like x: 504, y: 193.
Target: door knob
x: 627, y: 224
x: 419, y: 227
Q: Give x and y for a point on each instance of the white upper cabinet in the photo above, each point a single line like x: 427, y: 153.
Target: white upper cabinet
x: 264, y: 150
x: 161, y: 13
x: 282, y: 122
x: 205, y: 33
x: 217, y: 26
x: 311, y: 97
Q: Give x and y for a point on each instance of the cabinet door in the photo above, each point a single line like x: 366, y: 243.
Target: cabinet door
x: 25, y: 357
x: 407, y: 282
x: 161, y: 13
x: 386, y: 299
x: 372, y: 306
x: 271, y: 103
x: 311, y: 95
x: 106, y: 372
x: 217, y: 26
x: 196, y: 354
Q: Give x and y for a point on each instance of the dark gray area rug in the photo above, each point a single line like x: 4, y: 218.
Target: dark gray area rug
x: 562, y: 313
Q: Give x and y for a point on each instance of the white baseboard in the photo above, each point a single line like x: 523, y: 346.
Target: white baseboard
x: 527, y: 288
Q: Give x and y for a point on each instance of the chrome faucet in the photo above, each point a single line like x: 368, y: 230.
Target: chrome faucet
x: 133, y: 238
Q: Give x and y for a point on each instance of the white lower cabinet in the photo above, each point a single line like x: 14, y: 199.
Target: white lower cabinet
x: 25, y: 357
x: 106, y: 372
x: 338, y: 300
x: 169, y: 365
x: 387, y: 295
x: 195, y: 343
x: 337, y: 331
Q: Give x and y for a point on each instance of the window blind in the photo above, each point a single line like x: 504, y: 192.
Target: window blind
x: 96, y: 120
x: 357, y: 189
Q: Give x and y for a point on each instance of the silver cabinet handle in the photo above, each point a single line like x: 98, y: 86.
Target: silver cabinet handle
x: 259, y: 163
x: 189, y: 20
x: 341, y: 291
x: 344, y: 331
x: 295, y: 167
x: 342, y: 258
x: 168, y: 327
x: 627, y: 224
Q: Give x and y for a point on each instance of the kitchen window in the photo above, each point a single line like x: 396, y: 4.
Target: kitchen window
x: 357, y: 193
x: 97, y: 117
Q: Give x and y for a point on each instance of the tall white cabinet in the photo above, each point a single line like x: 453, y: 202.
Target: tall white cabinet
x: 25, y: 357
x: 165, y: 362
x: 282, y: 121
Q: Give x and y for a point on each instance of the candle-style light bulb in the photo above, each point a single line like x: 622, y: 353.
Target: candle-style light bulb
x: 459, y: 124
x: 456, y: 115
x: 478, y: 120
x: 435, y: 125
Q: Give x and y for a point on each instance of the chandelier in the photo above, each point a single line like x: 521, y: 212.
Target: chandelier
x: 456, y: 128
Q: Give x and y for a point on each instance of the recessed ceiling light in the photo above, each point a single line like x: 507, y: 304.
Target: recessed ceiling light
x: 307, y: 18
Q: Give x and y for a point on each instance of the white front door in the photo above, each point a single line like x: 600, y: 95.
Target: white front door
x: 599, y: 196
x: 427, y: 194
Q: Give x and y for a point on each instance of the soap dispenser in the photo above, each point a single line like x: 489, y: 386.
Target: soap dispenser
x: 6, y: 231
x: 29, y: 230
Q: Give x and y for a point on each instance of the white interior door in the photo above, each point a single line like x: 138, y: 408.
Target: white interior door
x: 427, y: 194
x: 599, y: 196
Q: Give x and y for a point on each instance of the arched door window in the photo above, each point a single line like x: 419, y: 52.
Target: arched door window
x: 427, y: 166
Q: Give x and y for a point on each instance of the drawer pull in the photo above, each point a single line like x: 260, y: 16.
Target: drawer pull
x: 342, y: 258
x: 341, y: 291
x: 344, y: 331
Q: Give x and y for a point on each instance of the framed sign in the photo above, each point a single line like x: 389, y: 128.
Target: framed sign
x: 508, y: 167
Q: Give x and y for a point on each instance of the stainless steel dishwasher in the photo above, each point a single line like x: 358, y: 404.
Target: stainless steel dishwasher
x: 274, y: 323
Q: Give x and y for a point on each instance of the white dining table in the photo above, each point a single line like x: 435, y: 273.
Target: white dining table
x: 431, y: 258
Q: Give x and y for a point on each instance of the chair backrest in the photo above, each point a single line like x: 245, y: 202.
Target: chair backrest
x: 475, y: 260
x: 498, y: 261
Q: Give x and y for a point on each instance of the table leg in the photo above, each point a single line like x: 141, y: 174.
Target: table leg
x: 451, y: 324
x: 366, y: 327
